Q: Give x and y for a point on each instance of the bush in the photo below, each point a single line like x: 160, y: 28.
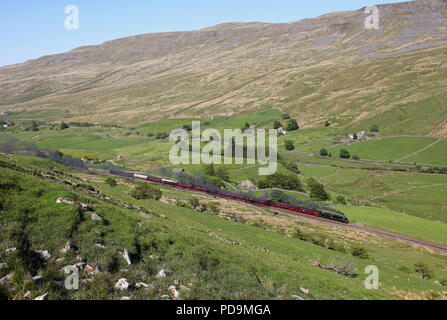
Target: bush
x: 146, y: 191
x: 355, y: 157
x: 375, y: 128
x: 277, y: 124
x: 318, y: 192
x: 222, y: 173
x: 215, y: 181
x: 206, y: 260
x: 360, y: 252
x: 209, y: 170
x: 161, y: 136
x: 194, y: 203
x: 34, y: 126
x: 280, y: 180
x: 111, y: 182
x: 292, y: 167
x: 292, y: 125
x: 63, y: 126
x: 424, y: 270
x: 214, y: 207
x: 323, y: 152
x: 289, y: 145
x: 286, y: 116
x: 327, y: 124
x: 345, y: 154
x: 340, y: 199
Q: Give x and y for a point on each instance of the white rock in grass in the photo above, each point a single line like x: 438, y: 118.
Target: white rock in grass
x: 125, y: 298
x: 27, y: 294
x: 4, y: 281
x: 10, y: 250
x: 296, y: 297
x: 161, y: 274
x: 100, y: 245
x: 305, y: 291
x: 140, y: 285
x: 174, y: 291
x: 45, y: 255
x: 3, y: 265
x: 96, y: 217
x: 126, y: 257
x: 122, y: 284
x: 43, y: 297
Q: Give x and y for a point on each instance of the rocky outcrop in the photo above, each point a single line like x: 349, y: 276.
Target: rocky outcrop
x: 43, y: 297
x: 122, y: 284
x: 127, y: 257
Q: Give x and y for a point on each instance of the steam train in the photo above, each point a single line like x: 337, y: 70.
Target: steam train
x: 313, y: 212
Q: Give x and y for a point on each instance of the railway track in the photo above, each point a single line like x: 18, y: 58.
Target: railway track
x: 391, y: 235
x: 387, y: 234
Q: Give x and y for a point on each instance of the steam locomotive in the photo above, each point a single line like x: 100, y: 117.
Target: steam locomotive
x: 313, y: 212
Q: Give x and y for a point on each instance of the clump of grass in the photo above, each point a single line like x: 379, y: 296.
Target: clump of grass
x: 359, y: 252
x: 424, y: 270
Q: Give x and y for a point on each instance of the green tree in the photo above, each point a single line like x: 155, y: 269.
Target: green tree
x: 187, y: 127
x: 146, y: 191
x: 323, y: 152
x: 340, y: 199
x: 111, y: 182
x: 286, y: 116
x: 292, y: 125
x: 34, y: 126
x: 345, y: 154
x: 215, y: 181
x: 289, y: 145
x: 209, y: 170
x: 355, y: 136
x: 222, y: 173
x: 277, y: 124
x: 63, y: 126
x: 374, y: 128
x: 327, y: 124
x: 317, y: 190
x: 292, y: 166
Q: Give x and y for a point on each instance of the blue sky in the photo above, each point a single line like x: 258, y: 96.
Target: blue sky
x: 32, y: 28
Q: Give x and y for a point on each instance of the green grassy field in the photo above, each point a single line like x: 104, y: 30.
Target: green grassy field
x: 396, y: 221
x: 435, y: 155
x: 386, y: 149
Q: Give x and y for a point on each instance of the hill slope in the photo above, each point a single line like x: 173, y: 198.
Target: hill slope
x: 327, y: 67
